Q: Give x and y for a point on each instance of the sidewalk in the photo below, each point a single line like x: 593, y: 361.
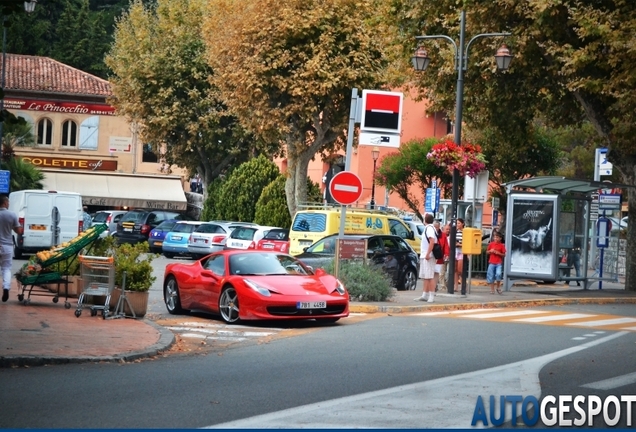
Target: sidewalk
x: 44, y: 332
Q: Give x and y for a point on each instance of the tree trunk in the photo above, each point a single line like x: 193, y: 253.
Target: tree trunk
x: 630, y: 256
x: 296, y: 184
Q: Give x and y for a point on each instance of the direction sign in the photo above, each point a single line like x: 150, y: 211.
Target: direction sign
x: 5, y: 181
x: 431, y: 204
x: 345, y: 188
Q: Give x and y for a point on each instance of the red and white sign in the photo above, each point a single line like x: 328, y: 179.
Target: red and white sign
x: 381, y: 112
x: 345, y: 188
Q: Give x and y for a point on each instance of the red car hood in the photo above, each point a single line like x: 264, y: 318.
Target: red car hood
x: 297, y: 285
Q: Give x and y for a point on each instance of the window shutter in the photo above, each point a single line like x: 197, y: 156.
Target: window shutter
x: 89, y: 133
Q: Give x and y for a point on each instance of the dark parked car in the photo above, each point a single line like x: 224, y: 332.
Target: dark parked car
x: 158, y: 234
x: 391, y: 252
x: 135, y: 226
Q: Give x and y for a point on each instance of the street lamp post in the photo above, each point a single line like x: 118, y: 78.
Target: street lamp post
x: 375, y: 153
x: 420, y: 61
x: 29, y: 6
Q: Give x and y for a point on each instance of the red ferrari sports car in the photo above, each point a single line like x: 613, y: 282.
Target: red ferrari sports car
x: 250, y: 285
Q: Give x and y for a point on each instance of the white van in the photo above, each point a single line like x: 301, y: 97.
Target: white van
x: 35, y: 213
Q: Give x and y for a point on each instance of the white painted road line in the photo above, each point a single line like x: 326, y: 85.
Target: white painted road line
x: 455, y: 312
x: 613, y: 383
x: 603, y: 322
x: 561, y: 317
x: 504, y: 314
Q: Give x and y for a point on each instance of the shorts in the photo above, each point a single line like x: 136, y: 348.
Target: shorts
x: 438, y: 268
x: 494, y: 273
x: 427, y: 268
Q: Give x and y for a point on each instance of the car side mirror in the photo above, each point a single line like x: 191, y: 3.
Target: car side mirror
x: 411, y: 235
x: 305, y: 248
x: 318, y: 272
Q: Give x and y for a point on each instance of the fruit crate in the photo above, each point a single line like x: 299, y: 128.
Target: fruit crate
x: 40, y: 278
x: 73, y: 247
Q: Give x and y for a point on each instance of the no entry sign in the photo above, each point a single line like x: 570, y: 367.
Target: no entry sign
x: 345, y: 188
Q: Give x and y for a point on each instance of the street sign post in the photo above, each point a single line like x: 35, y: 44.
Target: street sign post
x: 345, y: 188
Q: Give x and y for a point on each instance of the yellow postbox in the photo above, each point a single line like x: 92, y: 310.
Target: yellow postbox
x: 471, y: 241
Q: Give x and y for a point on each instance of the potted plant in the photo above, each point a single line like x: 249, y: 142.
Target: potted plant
x: 135, y: 262
x: 466, y: 158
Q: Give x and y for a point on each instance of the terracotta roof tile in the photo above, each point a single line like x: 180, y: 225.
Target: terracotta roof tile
x: 43, y: 74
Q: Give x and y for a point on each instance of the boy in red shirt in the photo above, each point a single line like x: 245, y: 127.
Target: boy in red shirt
x: 496, y: 251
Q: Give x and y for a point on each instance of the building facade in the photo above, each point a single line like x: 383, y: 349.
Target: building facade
x: 81, y: 144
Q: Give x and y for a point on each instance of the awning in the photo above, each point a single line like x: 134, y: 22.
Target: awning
x: 562, y: 185
x: 118, y: 190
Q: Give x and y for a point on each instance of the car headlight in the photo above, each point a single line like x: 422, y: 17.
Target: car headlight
x: 340, y: 288
x: 256, y: 287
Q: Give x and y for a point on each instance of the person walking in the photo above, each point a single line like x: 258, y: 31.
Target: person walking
x: 8, y: 223
x: 574, y: 261
x: 445, y: 243
x: 427, y: 260
x: 440, y: 263
x: 87, y: 220
x: 496, y: 252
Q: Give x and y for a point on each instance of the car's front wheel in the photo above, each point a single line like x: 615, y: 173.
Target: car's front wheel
x: 409, y: 281
x: 229, y: 305
x: 171, y: 296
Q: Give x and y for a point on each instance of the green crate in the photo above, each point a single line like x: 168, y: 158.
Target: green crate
x: 41, y: 278
x: 78, y: 243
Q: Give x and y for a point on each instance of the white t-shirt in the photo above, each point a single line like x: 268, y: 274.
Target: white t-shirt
x: 428, y: 230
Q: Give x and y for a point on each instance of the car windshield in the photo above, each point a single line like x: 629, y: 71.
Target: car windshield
x: 165, y: 226
x: 277, y: 234
x: 243, y: 233
x: 208, y: 228
x: 100, y: 217
x: 265, y: 263
x: 133, y: 216
x: 326, y: 245
x: 183, y: 228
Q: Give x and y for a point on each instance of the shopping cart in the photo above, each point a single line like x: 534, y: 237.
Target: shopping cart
x: 97, y: 275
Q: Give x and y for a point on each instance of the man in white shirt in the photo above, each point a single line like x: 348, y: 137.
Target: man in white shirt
x: 427, y: 260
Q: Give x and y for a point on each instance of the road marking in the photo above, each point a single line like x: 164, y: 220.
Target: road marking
x: 605, y: 322
x: 447, y: 402
x: 613, y: 383
x: 504, y: 314
x: 457, y: 312
x: 220, y: 332
x: 561, y: 317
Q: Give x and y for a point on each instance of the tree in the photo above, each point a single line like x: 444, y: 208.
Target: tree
x: 570, y: 65
x: 240, y: 192
x: 286, y: 69
x: 162, y: 84
x: 271, y: 207
x: 409, y: 166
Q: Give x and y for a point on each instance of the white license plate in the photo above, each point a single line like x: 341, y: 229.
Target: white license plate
x: 268, y: 246
x: 128, y: 229
x: 311, y: 305
x: 235, y: 244
x: 199, y: 240
x: 305, y: 242
x: 176, y: 237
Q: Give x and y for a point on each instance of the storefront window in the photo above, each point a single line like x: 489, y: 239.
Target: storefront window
x: 69, y: 134
x: 45, y: 132
x: 148, y: 154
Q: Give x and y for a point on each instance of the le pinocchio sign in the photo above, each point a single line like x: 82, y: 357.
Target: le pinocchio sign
x: 77, y: 164
x: 59, y: 107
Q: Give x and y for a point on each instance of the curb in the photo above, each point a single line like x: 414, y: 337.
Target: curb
x: 484, y: 305
x: 166, y: 340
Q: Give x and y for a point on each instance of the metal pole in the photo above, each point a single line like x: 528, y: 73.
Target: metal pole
x: 373, y: 187
x: 4, y: 62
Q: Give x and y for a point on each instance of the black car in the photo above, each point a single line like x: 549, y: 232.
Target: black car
x: 135, y: 226
x: 391, y: 252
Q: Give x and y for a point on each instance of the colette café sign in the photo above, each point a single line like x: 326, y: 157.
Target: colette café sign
x: 78, y: 164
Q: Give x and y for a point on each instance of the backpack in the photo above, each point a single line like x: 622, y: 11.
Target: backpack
x: 438, y: 253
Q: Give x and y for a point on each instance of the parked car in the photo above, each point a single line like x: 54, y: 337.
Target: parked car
x: 416, y: 226
x: 110, y: 218
x: 176, y: 241
x: 276, y: 239
x: 254, y: 285
x: 246, y: 236
x: 382, y: 249
x: 158, y: 234
x: 211, y: 236
x: 135, y: 226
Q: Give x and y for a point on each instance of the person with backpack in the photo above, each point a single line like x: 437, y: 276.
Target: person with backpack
x: 441, y: 263
x: 427, y: 260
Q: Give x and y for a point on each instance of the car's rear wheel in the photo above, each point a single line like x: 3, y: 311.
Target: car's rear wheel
x: 168, y: 255
x: 409, y: 281
x: 171, y: 296
x: 229, y: 305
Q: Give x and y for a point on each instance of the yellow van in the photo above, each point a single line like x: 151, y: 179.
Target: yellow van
x: 309, y: 226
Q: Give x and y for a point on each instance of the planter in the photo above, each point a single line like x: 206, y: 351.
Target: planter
x: 138, y: 301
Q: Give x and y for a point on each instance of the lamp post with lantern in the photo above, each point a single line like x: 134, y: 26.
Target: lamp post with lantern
x: 375, y: 153
x: 420, y: 62
x: 29, y: 7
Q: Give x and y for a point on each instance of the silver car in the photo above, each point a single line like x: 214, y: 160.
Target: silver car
x: 211, y: 236
x: 110, y: 218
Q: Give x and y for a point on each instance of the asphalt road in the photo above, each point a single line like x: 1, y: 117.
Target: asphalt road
x: 407, y: 371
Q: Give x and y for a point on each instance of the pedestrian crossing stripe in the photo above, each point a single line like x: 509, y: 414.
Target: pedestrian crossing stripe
x: 532, y: 316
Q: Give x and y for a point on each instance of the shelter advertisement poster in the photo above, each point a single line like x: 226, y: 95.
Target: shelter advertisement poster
x: 531, y: 237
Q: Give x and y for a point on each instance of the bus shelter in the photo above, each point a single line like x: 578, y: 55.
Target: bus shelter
x: 551, y: 218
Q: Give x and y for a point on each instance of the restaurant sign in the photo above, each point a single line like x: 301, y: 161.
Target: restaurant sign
x: 76, y: 164
x: 59, y: 107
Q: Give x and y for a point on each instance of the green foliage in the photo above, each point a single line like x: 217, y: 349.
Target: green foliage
x: 23, y: 174
x: 211, y: 199
x: 364, y: 282
x: 135, y: 260
x: 409, y: 166
x: 242, y: 189
x: 272, y: 209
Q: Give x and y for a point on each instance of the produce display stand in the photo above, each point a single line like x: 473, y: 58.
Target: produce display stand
x: 97, y: 275
x: 46, y: 276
